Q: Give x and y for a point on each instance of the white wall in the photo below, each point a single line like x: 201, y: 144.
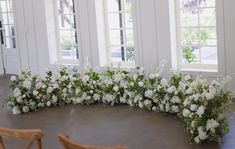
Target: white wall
x: 152, y: 34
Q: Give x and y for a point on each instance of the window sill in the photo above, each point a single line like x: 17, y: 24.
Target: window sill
x: 199, y: 70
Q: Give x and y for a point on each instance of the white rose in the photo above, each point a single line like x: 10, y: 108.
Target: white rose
x: 154, y: 108
x: 116, y: 88
x: 49, y: 90
x: 19, y: 99
x: 186, y: 113
x: 38, y: 85
x: 48, y: 103
x: 13, y: 78
x: 135, y: 76
x: 141, y: 105
x: 77, y: 91
x: 141, y: 84
x: 175, y: 109
x: 25, y: 109
x: 35, y: 93
x: 96, y: 97
x: 189, y: 91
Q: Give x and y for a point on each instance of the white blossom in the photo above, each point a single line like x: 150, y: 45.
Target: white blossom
x: 200, y: 111
x: 211, y: 125
x: 186, y: 113
x: 116, y: 88
x: 35, y: 93
x: 27, y: 84
x: 164, y: 82
x: 50, y: 90
x: 16, y: 110
x: 17, y: 92
x: 13, y: 78
x: 25, y: 109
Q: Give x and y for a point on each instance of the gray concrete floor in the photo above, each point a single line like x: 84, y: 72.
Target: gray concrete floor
x: 105, y: 125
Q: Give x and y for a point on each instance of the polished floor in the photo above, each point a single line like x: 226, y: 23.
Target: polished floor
x: 105, y: 125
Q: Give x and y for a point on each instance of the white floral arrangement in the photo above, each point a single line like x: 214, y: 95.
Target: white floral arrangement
x: 201, y: 104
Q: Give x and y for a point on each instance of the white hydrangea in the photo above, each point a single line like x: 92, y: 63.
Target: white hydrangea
x: 85, y: 78
x: 27, y: 84
x: 17, y: 92
x: 202, y: 134
x: 200, y: 111
x: 35, y: 93
x: 193, y: 107
x: 175, y: 99
x: 186, y: 113
x: 50, y: 90
x: 54, y: 99
x: 96, y: 97
x: 171, y: 90
x: 164, y: 82
x: 148, y: 93
x: 38, y: 85
x: 16, y: 110
x: 211, y: 125
x: 118, y: 77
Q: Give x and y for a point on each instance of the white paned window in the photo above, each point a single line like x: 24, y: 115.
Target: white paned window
x: 197, y: 34
x: 8, y: 25
x: 120, y: 31
x: 67, y: 31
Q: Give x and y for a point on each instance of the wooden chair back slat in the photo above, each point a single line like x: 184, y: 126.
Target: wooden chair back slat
x: 71, y: 144
x: 33, y: 136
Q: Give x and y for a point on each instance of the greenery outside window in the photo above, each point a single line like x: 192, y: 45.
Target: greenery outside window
x: 197, y: 34
x: 120, y: 31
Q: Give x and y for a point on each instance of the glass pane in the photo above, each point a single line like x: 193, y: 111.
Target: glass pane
x: 65, y: 7
x: 207, y: 17
x: 10, y: 42
x: 11, y: 18
x: 4, y: 18
x: 189, y: 36
x: 115, y: 37
x: 207, y: 36
x: 116, y: 53
x: 9, y: 5
x: 189, y: 4
x: 114, y: 20
x: 3, y: 6
x: 67, y: 39
x: 191, y: 54
x: 113, y: 5
x: 129, y: 20
x: 66, y: 22
x: 189, y: 18
x: 209, y: 55
x: 128, y: 6
x: 7, y: 30
x: 207, y: 3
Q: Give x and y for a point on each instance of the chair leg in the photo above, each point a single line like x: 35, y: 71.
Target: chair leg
x: 2, y: 146
x: 39, y: 143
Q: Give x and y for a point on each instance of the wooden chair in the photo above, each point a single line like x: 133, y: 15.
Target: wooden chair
x: 33, y: 136
x: 71, y: 144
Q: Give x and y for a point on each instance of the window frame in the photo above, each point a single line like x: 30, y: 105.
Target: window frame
x: 219, y: 36
x: 127, y: 64
x: 60, y: 60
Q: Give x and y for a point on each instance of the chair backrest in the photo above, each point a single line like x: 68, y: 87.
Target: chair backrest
x: 33, y: 136
x: 71, y: 144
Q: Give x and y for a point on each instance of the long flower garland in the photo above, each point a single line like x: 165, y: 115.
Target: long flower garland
x: 200, y: 104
